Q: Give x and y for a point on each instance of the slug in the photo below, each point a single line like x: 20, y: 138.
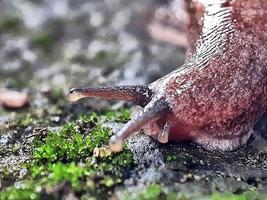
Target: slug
x: 217, y: 96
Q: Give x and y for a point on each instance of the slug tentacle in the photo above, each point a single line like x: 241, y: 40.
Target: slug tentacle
x: 163, y: 137
x: 151, y: 113
x: 137, y: 94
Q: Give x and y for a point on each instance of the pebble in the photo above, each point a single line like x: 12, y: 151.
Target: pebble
x: 13, y: 99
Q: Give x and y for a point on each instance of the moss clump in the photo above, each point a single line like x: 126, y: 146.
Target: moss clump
x: 22, y: 191
x: 159, y: 192
x: 123, y: 115
x: 43, y: 41
x: 60, y: 146
x: 10, y: 23
x: 151, y: 192
x: 76, y: 140
x: 60, y: 172
x: 66, y: 156
x: 247, y: 195
x: 27, y: 121
x: 171, y: 157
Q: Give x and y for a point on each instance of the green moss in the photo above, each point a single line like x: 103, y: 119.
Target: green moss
x: 21, y: 191
x: 171, y: 157
x: 73, y: 142
x: 247, y: 195
x: 71, y: 172
x: 158, y: 192
x: 43, y: 41
x: 11, y: 23
x: 152, y: 192
x: 123, y: 115
x: 66, y: 156
x: 5, y: 173
x: 27, y: 121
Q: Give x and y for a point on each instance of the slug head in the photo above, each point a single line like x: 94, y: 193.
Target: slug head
x: 155, y: 107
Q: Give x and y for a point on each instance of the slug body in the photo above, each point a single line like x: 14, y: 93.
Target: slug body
x: 220, y: 92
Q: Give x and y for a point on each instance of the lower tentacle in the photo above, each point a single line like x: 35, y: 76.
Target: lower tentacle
x: 151, y: 113
x: 163, y: 136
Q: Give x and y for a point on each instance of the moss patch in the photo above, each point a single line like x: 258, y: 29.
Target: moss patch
x: 43, y: 41
x: 27, y: 121
x: 23, y: 191
x: 65, y: 159
x: 122, y: 116
x: 159, y: 192
x: 10, y: 24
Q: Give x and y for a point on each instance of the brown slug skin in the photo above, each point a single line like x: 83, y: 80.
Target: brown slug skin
x: 218, y: 95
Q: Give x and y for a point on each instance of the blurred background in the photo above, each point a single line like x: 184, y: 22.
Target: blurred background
x: 53, y: 45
